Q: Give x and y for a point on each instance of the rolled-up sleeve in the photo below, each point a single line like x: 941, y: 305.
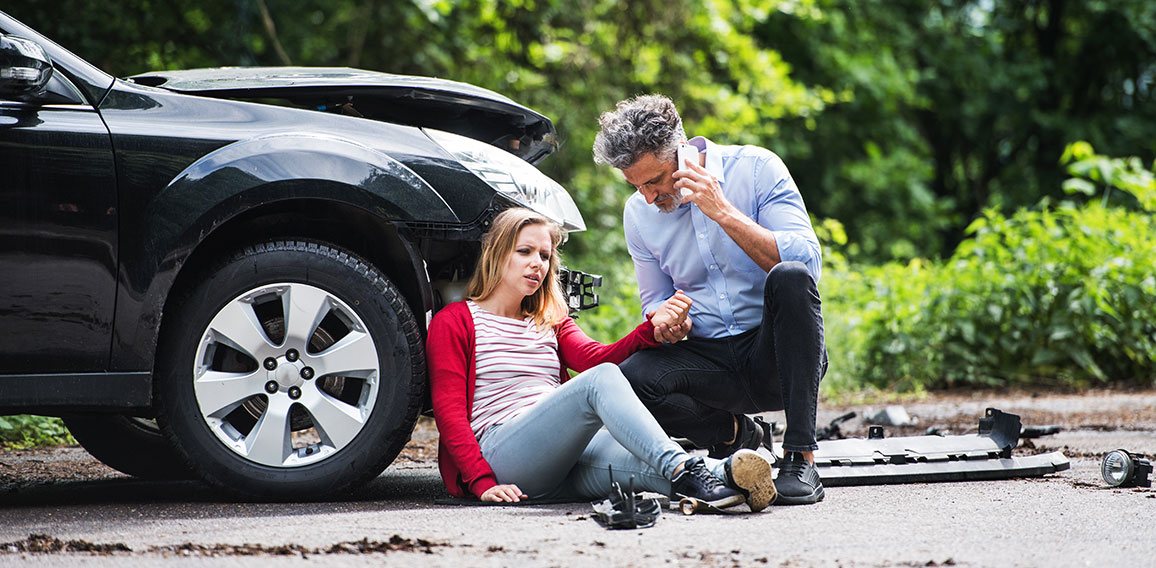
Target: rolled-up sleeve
x: 781, y: 210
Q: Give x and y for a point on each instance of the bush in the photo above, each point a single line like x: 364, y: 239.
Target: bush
x: 28, y: 431
x: 1058, y: 295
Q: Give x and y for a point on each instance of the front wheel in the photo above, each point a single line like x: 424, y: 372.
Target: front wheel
x: 293, y: 371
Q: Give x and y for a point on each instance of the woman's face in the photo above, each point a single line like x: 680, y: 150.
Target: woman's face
x: 529, y: 262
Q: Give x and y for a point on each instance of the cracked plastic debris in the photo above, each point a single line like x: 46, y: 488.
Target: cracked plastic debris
x: 1037, y: 431
x: 626, y: 509
x: 832, y: 431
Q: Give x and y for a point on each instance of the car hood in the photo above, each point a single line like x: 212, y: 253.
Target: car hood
x: 417, y: 101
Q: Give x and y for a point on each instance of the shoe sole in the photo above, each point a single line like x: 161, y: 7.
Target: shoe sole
x: 814, y: 497
x: 752, y: 474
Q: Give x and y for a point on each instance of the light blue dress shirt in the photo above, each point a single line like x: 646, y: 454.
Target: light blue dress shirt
x: 686, y: 250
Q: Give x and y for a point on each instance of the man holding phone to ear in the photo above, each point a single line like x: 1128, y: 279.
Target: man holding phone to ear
x: 728, y: 227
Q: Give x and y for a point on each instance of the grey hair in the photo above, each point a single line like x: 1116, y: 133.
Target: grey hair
x: 646, y: 124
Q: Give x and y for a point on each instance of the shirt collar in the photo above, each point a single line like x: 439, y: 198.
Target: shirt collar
x: 713, y: 163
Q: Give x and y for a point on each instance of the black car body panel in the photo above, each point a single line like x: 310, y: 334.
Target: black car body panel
x: 58, y: 239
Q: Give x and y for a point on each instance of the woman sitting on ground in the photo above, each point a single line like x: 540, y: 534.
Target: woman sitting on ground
x: 513, y: 425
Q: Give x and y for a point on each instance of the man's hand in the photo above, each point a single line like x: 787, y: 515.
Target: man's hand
x: 671, y: 320
x: 704, y: 191
x: 503, y: 493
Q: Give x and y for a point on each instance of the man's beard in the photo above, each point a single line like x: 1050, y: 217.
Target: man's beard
x: 667, y: 202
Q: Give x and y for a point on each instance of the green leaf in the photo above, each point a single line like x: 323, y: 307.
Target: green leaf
x: 1077, y: 185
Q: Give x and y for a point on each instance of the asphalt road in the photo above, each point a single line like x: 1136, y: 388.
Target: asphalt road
x: 1067, y: 519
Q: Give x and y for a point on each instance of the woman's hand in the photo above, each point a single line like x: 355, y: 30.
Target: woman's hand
x: 673, y: 333
x: 670, y: 320
x: 503, y: 494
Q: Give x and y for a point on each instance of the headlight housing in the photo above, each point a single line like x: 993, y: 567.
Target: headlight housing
x: 514, y: 178
x: 1121, y: 468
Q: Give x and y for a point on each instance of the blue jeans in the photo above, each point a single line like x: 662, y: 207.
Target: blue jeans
x: 558, y: 450
x: 696, y: 387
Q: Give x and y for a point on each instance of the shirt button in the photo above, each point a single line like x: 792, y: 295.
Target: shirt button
x: 713, y: 266
x: 702, y: 235
x: 722, y: 296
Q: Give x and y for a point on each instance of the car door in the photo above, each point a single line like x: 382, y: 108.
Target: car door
x: 58, y: 234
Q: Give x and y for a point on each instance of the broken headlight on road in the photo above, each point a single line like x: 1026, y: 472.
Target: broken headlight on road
x: 1121, y: 468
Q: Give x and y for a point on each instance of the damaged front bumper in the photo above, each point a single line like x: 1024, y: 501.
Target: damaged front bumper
x: 922, y: 459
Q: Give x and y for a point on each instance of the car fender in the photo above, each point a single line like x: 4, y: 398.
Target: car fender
x: 240, y: 177
x: 258, y: 170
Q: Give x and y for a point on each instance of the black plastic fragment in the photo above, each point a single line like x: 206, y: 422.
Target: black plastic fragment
x: 626, y: 509
x: 832, y: 431
x: 1003, y: 429
x: 1037, y: 431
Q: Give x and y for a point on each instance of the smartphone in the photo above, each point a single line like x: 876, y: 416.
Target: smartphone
x: 686, y: 152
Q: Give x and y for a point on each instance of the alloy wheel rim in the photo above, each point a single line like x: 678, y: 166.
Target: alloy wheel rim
x: 286, y: 375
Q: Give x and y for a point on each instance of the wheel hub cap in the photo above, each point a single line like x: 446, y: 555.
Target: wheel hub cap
x: 277, y: 335
x: 287, y: 374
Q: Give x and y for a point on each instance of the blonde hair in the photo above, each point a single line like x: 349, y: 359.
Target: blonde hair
x: 547, y: 305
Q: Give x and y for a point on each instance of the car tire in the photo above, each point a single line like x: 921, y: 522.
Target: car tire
x: 128, y: 444
x: 293, y: 371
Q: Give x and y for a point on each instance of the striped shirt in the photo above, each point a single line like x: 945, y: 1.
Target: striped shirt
x: 515, y: 366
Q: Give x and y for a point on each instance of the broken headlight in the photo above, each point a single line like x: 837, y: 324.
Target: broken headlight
x: 1123, y: 469
x: 514, y: 178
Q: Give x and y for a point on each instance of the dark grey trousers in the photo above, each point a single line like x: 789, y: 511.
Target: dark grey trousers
x: 696, y: 386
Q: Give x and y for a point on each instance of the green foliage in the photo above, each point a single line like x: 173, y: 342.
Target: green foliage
x: 1051, y: 296
x: 1092, y: 173
x: 948, y: 107
x: 27, y: 431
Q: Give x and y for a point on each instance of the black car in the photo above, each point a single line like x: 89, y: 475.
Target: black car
x: 227, y: 273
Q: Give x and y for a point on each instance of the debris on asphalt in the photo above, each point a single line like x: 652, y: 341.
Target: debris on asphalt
x: 395, y: 543
x: 46, y: 544
x: 625, y: 509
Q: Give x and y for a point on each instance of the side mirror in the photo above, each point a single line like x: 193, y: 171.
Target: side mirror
x: 24, y: 68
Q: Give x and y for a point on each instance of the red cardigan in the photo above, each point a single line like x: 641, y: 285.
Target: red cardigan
x: 450, y: 358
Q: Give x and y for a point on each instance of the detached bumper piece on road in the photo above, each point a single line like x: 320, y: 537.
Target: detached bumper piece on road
x: 923, y: 459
